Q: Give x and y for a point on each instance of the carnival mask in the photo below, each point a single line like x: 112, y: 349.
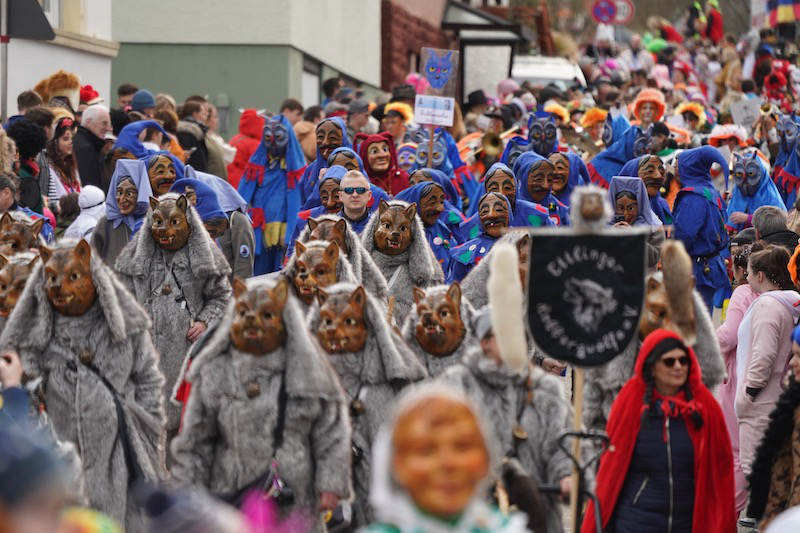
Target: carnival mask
x: 431, y: 204
x: 592, y: 207
x: 494, y: 215
x: 126, y: 195
x: 379, y: 156
x: 523, y: 252
x: 342, y: 324
x: 162, y: 173
x: 315, y: 267
x: 257, y: 326
x: 393, y: 231
x: 422, y: 139
x: 329, y: 195
x: 440, y: 328
x: 170, y: 229
x: 346, y: 159
x: 14, y: 274
x: 439, y: 455
x: 539, y: 177
x: 641, y: 145
x: 560, y: 171
x: 652, y: 173
x: 419, y: 176
x: 519, y: 146
x: 18, y: 236
x: 406, y: 158
x: 543, y: 134
x: 747, y: 174
x: 329, y: 138
x: 502, y: 183
x: 276, y: 138
x: 329, y: 230
x: 438, y: 69
x: 68, y: 278
x: 787, y: 129
x: 656, y: 308
x: 608, y: 133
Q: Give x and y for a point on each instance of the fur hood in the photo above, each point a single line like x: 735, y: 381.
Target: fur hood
x: 205, y: 256
x: 423, y: 268
x: 366, y: 271
x: 193, y: 128
x: 30, y: 325
x: 308, y: 372
x: 428, y: 360
x: 386, y: 358
x: 474, y: 286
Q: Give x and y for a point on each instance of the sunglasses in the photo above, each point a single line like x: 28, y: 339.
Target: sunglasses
x: 357, y: 190
x: 669, y: 362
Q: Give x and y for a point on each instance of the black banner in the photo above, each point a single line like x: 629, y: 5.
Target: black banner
x: 585, y: 293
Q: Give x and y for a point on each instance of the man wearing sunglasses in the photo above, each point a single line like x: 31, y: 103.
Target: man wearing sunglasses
x: 355, y: 194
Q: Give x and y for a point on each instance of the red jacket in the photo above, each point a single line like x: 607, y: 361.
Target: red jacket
x: 714, y: 28
x: 713, y: 460
x: 246, y: 142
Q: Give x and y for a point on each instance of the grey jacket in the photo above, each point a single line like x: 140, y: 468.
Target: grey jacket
x: 227, y: 435
x: 194, y: 288
x: 416, y: 267
x: 237, y: 245
x: 114, y: 337
x: 503, y: 395
x: 109, y: 241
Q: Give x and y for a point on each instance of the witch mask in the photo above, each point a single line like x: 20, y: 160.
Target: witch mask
x: 560, y: 171
x: 68, y: 280
x: 14, y: 274
x: 393, y: 232
x: 276, y: 138
x: 440, y: 328
x: 17, y: 235
x: 494, y: 215
x: 315, y: 268
x: 257, y: 326
x: 501, y: 182
x: 329, y: 230
x: 170, y: 229
x: 652, y: 173
x: 431, y: 204
x: 342, y: 325
x: 162, y: 173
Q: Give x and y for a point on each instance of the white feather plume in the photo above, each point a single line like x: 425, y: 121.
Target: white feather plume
x: 506, y: 306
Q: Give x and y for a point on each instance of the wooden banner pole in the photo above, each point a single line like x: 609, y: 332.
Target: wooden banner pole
x: 431, y: 128
x: 577, y: 407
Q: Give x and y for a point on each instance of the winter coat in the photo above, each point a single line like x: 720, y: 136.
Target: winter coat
x: 237, y: 245
x: 192, y: 135
x: 435, y: 365
x: 110, y: 241
x: 87, y: 148
x: 114, y: 337
x: 216, y: 156
x: 245, y: 142
x: 374, y: 375
x: 416, y: 267
x: 502, y: 393
x: 762, y: 359
x: 194, y: 288
x: 226, y: 440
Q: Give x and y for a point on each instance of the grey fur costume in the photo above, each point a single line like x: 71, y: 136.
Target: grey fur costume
x: 116, y: 333
x: 199, y: 272
x: 603, y: 383
x: 366, y: 271
x: 436, y: 365
x: 416, y: 267
x: 374, y: 376
x: 226, y: 439
x: 501, y: 392
x: 474, y: 284
x: 344, y: 272
x: 20, y: 258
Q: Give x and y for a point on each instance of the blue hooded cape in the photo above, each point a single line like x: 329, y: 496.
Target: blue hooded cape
x: 766, y: 194
x: 128, y: 138
x: 578, y: 175
x: 229, y: 198
x: 313, y: 200
x: 207, y: 204
x: 788, y: 179
x: 658, y: 204
x: 451, y: 216
x: 464, y: 257
x: 272, y: 190
x: 440, y: 236
x: 464, y: 181
x: 700, y: 217
x: 559, y: 213
x: 137, y: 171
x: 308, y: 182
x: 610, y: 161
x: 636, y: 186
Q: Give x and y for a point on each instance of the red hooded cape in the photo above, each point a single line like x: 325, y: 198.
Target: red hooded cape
x: 393, y: 180
x: 714, y: 509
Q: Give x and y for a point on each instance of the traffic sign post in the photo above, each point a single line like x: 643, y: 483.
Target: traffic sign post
x: 624, y: 13
x: 604, y: 11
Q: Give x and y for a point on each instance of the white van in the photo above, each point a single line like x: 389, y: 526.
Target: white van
x: 543, y: 70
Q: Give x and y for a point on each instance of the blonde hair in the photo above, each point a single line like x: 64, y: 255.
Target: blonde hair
x: 8, y: 152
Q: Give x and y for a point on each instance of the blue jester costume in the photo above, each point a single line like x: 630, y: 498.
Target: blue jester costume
x: 658, y: 203
x: 523, y: 213
x: 542, y: 138
x: 466, y: 256
x: 610, y: 161
x: 786, y: 171
x: 752, y: 189
x: 270, y: 185
x: 699, y: 213
x: 440, y: 237
x: 578, y: 175
x: 558, y: 212
x: 308, y: 182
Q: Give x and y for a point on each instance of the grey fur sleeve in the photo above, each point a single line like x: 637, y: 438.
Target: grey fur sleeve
x: 330, y: 447
x: 593, y: 396
x: 558, y: 419
x: 216, y: 295
x: 193, y: 448
x: 706, y: 348
x: 147, y: 377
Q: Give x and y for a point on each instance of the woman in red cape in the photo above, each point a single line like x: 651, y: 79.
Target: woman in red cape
x: 713, y: 505
x: 390, y: 178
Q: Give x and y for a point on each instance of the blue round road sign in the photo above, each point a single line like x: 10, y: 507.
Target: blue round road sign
x: 604, y: 11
